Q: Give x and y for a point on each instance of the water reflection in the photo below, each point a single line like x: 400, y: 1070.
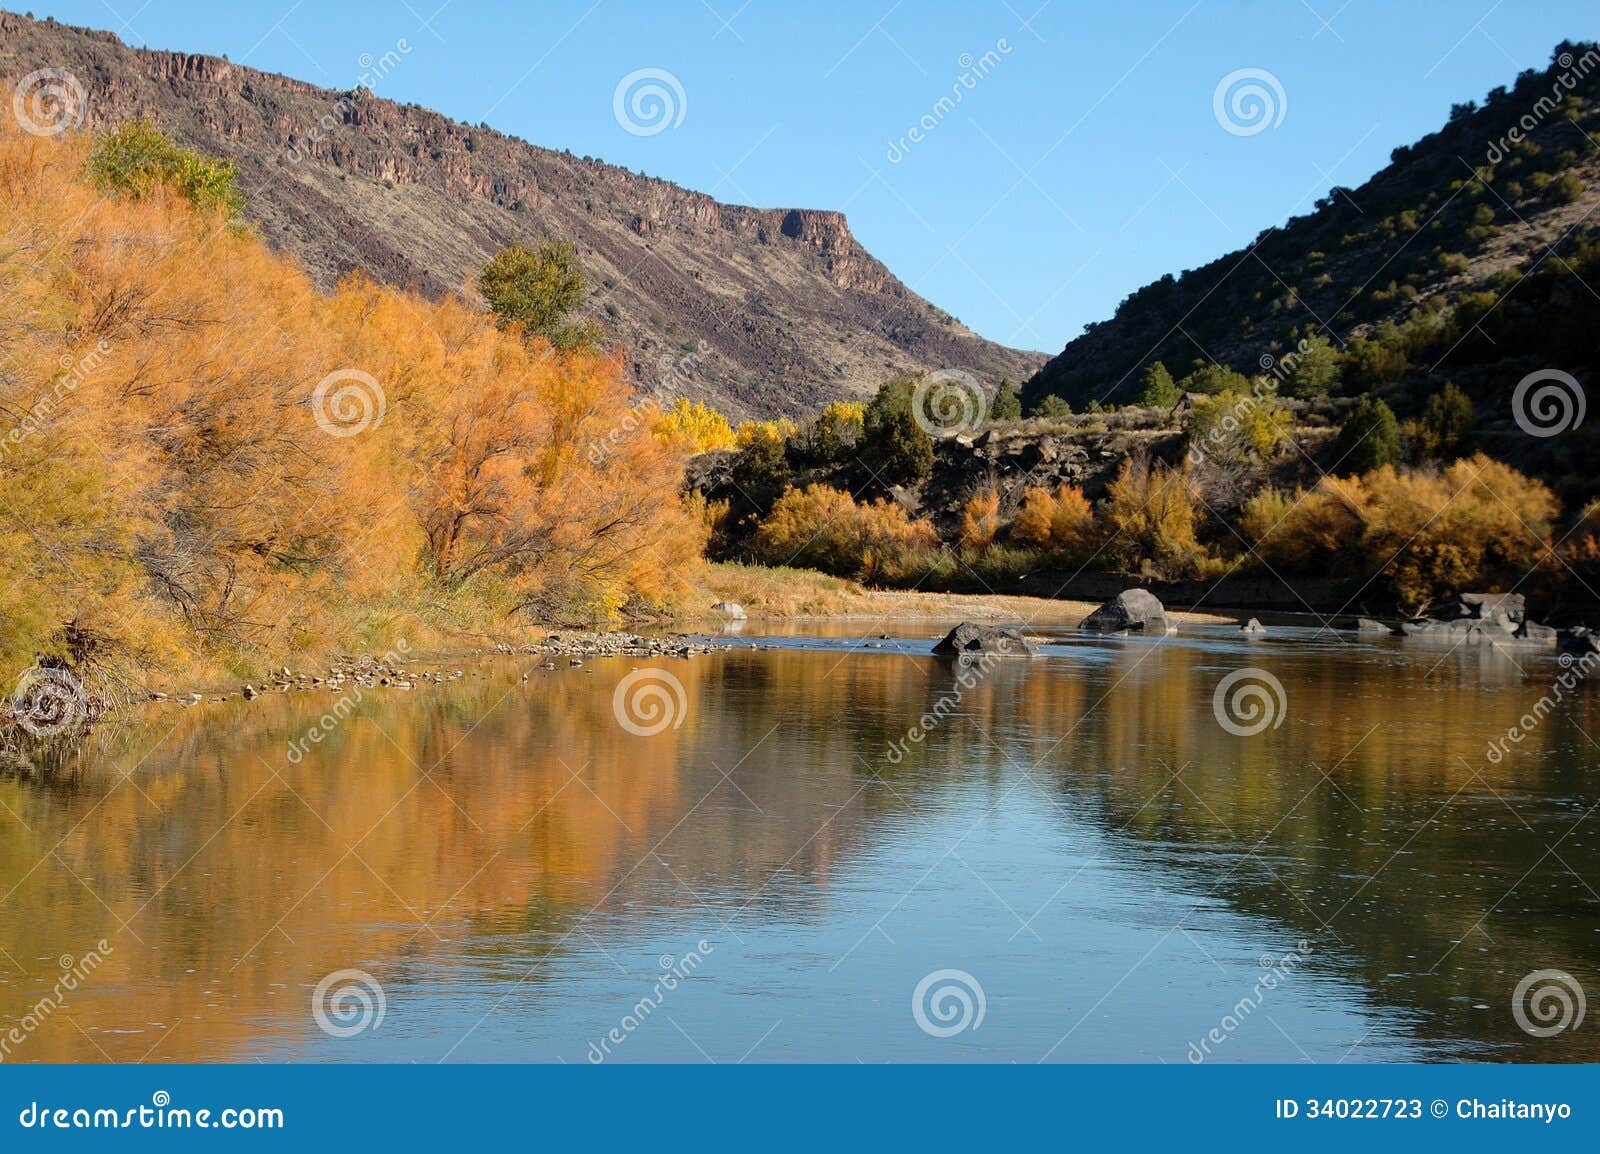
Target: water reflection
x: 1076, y: 830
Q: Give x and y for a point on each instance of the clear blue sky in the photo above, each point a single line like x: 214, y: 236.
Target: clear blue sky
x: 1087, y: 162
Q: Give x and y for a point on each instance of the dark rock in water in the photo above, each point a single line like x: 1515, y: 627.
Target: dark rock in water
x: 1252, y: 626
x: 1132, y: 610
x: 969, y: 639
x: 1579, y: 639
x: 1489, y: 606
x: 1368, y: 625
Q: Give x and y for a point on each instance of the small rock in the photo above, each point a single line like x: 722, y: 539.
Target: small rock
x: 1253, y: 626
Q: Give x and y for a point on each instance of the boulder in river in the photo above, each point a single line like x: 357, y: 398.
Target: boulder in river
x: 1375, y: 628
x: 1131, y: 611
x: 1253, y: 627
x: 972, y: 640
x: 730, y: 608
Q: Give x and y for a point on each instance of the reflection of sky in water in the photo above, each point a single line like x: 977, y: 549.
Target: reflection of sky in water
x: 1079, y: 835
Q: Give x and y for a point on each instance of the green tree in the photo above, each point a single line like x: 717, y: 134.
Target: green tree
x: 1051, y: 406
x: 136, y: 158
x: 536, y: 289
x: 1369, y: 438
x: 1314, y: 372
x: 1213, y: 379
x: 891, y: 440
x: 1157, y: 388
x: 1447, y: 420
x: 1006, y: 406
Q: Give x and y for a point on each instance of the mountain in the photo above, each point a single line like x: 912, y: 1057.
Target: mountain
x: 1504, y: 189
x: 792, y: 310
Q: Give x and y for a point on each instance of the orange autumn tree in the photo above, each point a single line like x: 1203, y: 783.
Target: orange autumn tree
x: 204, y: 455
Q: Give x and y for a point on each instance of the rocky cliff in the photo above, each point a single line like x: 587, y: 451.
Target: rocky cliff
x: 759, y: 311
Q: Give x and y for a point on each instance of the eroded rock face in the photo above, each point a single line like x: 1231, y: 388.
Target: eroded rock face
x: 972, y: 640
x: 1131, y: 611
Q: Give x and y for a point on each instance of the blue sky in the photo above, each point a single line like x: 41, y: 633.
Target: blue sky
x: 1086, y: 161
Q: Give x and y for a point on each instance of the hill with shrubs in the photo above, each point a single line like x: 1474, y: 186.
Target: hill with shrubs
x: 1470, y: 260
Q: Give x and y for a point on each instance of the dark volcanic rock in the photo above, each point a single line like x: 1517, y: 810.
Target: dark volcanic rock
x: 969, y: 639
x: 1133, y: 611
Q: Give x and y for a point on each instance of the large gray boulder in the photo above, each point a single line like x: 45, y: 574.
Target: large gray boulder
x: 1131, y: 611
x: 972, y: 640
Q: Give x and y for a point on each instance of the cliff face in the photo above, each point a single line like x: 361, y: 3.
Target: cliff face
x: 791, y: 309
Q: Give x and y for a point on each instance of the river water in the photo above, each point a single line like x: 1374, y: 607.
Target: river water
x: 832, y: 849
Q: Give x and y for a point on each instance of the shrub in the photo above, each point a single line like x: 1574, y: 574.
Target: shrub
x: 1053, y: 407
x: 820, y: 527
x: 980, y: 519
x: 693, y: 427
x: 1061, y: 521
x: 534, y: 290
x: 1314, y: 371
x: 1148, y: 518
x: 136, y: 159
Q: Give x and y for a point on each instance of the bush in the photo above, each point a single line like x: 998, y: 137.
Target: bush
x: 1148, y: 519
x: 692, y: 427
x: 1314, y: 372
x: 1061, y: 522
x: 1446, y: 422
x: 1052, y: 407
x: 534, y: 290
x: 980, y: 519
x: 820, y: 527
x: 137, y: 158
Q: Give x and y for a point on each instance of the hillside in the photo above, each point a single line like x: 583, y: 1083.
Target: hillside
x: 792, y: 310
x: 1466, y: 210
